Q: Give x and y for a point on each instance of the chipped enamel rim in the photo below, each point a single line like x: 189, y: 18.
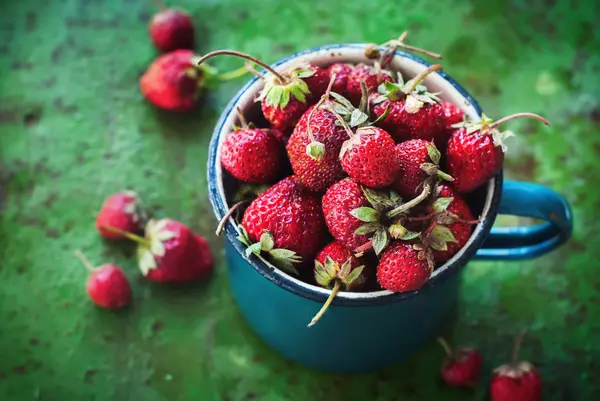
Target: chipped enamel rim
x: 352, y: 53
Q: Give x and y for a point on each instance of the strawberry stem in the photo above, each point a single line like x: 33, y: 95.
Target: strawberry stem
x: 358, y: 252
x: 248, y: 66
x: 404, y: 207
x: 421, y: 76
x: 226, y: 76
x: 334, y: 291
x: 228, y: 216
x: 245, y: 56
x: 128, y: 235
x: 319, y: 104
x: 518, y: 115
x: 243, y: 121
x: 446, y: 346
x: 517, y: 347
x: 88, y: 265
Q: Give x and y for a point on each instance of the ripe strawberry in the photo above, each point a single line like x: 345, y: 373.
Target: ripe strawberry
x: 414, y: 113
x: 517, y: 381
x: 171, y: 253
x: 462, y: 367
x: 453, y: 115
x: 338, y: 202
x: 172, y: 29
x: 402, y: 269
x: 454, y: 215
x: 370, y: 157
x: 342, y: 72
x: 370, y: 75
x: 337, y: 268
x: 253, y: 155
x: 317, y: 171
x: 285, y: 96
x: 107, y: 285
x: 417, y: 161
x: 173, y: 81
x: 476, y: 151
x: 286, y: 221
x: 120, y: 210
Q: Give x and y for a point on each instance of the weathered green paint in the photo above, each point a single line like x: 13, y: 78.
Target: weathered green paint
x: 74, y: 128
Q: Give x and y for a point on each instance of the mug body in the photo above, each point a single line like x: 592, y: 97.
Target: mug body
x: 360, y: 331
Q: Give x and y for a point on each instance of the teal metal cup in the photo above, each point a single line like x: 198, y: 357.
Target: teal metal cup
x: 363, y: 332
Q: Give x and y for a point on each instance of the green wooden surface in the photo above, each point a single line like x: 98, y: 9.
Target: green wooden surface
x: 74, y: 128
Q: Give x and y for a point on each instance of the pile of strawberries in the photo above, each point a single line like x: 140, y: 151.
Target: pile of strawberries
x: 169, y: 252
x: 380, y: 168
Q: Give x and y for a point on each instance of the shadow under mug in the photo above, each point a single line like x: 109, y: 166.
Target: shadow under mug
x: 366, y: 331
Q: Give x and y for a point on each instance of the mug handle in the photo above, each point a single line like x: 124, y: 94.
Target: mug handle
x: 526, y: 242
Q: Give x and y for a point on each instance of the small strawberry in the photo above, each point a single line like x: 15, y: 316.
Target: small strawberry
x: 337, y: 268
x: 462, y: 367
x: 414, y: 113
x: 370, y: 157
x: 372, y: 78
x: 517, y: 381
x: 476, y: 150
x: 401, y: 268
x: 120, y: 210
x: 253, y: 155
x: 172, y: 29
x: 174, y: 82
x: 285, y: 96
x: 417, y: 161
x: 107, y: 285
x: 342, y: 72
x: 285, y: 221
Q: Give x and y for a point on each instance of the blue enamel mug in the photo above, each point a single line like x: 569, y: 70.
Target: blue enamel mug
x: 366, y: 331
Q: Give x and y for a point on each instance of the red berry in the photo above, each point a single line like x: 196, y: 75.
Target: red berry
x: 291, y: 214
x: 107, y: 285
x: 172, y: 29
x: 461, y: 230
x: 340, y: 255
x: 516, y: 381
x: 400, y: 268
x: 453, y: 115
x: 119, y: 211
x: 340, y: 199
x: 253, y: 155
x: 171, y: 253
x: 371, y: 77
x: 317, y: 175
x: 411, y: 156
x: 370, y: 157
x: 342, y: 72
x: 463, y: 366
x: 173, y: 81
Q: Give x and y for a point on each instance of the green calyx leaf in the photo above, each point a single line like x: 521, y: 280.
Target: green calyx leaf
x: 379, y: 99
x: 358, y: 118
x: 444, y: 176
x: 434, y: 153
x: 441, y: 204
x: 315, y: 150
x: 266, y: 241
x: 380, y: 200
x: 439, y: 237
x: 429, y: 168
x: 304, y: 73
x: 380, y: 240
x: 446, y: 218
x: 367, y: 228
x: 499, y: 137
x: 324, y: 274
x: 285, y: 259
x: 253, y: 249
x: 391, y: 90
x: 382, y: 117
x: 278, y: 95
x: 413, y: 104
x: 473, y: 127
x: 353, y: 276
x: 243, y: 236
x: 342, y: 100
x: 366, y: 214
x: 409, y: 236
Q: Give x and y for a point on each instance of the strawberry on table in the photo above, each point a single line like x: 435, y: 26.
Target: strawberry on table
x: 107, y: 285
x: 172, y: 29
x: 338, y: 269
x: 516, y: 381
x: 476, y: 150
x: 122, y: 211
x: 462, y: 367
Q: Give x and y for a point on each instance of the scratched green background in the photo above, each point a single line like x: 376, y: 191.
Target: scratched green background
x: 74, y: 128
